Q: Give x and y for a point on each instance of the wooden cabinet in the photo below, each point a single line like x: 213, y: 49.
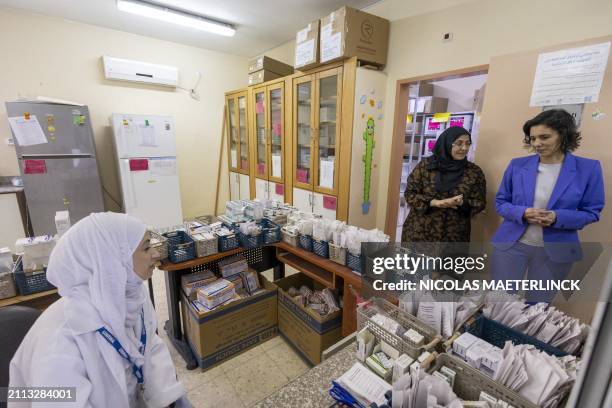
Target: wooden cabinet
x: 310, y: 140
x: 268, y: 139
x: 238, y: 143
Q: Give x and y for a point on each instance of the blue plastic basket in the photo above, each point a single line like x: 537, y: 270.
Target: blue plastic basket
x: 497, y: 334
x: 271, y: 232
x: 305, y: 242
x: 228, y: 242
x: 320, y: 248
x: 353, y: 262
x: 30, y: 282
x: 181, y: 247
x: 250, y: 241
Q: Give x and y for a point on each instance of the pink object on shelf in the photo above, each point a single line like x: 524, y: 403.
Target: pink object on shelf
x: 430, y: 145
x: 433, y: 125
x: 139, y: 164
x: 457, y: 121
x: 34, y: 167
x: 244, y: 164
x: 302, y: 175
x: 259, y: 107
x: 277, y: 128
x: 261, y: 168
x: 279, y: 189
x: 329, y: 202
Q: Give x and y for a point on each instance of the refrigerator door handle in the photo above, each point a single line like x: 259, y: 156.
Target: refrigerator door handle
x: 128, y: 192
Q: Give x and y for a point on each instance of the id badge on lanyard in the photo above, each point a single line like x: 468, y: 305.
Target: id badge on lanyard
x: 112, y: 340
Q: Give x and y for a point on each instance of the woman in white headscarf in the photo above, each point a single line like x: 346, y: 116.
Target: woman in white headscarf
x: 99, y: 267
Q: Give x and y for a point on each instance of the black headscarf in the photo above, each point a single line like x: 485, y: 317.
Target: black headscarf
x: 449, y: 171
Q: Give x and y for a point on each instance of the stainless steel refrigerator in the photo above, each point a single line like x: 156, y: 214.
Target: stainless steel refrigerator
x: 59, y: 170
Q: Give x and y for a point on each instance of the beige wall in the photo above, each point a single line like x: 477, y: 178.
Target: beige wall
x: 481, y: 29
x: 62, y: 59
x: 284, y: 52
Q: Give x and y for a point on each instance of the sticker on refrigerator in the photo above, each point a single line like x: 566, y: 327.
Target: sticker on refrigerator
x: 34, y: 167
x: 147, y: 135
x: 139, y: 164
x: 163, y: 167
x: 27, y: 130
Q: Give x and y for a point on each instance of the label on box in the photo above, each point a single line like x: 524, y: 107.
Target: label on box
x: 139, y: 164
x: 302, y: 35
x: 304, y: 53
x: 34, y: 167
x: 331, y: 47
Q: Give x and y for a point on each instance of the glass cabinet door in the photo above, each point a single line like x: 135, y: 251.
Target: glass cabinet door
x: 328, y: 131
x: 261, y: 143
x: 233, y: 133
x: 243, y: 135
x: 303, y: 91
x: 276, y: 131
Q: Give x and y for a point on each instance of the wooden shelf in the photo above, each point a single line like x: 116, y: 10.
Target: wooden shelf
x: 319, y: 274
x: 21, y: 299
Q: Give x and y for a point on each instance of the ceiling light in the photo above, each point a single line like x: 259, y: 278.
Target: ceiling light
x: 157, y: 12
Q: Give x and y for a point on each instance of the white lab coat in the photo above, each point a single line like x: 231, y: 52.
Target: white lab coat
x: 55, y: 354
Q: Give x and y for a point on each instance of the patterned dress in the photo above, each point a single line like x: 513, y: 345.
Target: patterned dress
x: 430, y: 224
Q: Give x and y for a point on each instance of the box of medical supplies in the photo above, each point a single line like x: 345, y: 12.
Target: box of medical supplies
x: 308, y: 330
x: 348, y: 32
x: 320, y: 248
x: 307, y: 47
x: 30, y: 282
x: 160, y: 243
x: 262, y: 76
x: 232, y: 328
x: 270, y: 64
x: 468, y: 383
x: 337, y: 253
x: 181, y: 247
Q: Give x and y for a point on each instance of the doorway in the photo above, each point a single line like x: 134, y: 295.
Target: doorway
x: 425, y: 107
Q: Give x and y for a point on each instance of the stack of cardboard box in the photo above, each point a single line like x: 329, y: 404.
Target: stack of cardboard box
x: 264, y: 69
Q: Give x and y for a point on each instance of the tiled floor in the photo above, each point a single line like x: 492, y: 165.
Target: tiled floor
x: 240, y: 381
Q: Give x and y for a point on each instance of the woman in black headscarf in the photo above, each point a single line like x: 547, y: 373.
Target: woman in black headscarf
x: 444, y: 191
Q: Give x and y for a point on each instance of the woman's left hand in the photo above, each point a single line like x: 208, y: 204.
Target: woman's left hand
x: 548, y: 219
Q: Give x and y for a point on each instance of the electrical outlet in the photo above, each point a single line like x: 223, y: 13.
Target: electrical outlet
x: 10, y: 141
x: 446, y: 37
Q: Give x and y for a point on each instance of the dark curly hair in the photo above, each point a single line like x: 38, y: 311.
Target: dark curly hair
x: 559, y: 120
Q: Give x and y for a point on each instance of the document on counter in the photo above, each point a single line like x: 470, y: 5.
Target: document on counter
x: 364, y: 384
x: 27, y: 131
x: 326, y: 175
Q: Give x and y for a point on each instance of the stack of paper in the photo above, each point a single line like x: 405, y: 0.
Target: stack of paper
x: 539, y: 377
x: 541, y: 321
x: 364, y: 385
x: 419, y: 389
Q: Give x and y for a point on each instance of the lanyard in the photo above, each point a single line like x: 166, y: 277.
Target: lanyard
x: 112, y: 340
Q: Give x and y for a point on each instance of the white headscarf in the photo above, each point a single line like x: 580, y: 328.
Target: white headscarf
x: 92, y: 267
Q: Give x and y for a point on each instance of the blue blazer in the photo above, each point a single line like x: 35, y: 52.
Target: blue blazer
x: 577, y: 199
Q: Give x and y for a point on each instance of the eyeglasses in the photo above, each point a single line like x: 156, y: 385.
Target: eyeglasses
x: 460, y: 145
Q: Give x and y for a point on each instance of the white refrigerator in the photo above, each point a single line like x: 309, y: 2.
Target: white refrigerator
x: 146, y: 156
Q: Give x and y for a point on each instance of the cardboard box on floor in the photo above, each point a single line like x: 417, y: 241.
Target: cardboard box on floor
x: 304, y: 328
x: 307, y: 47
x: 231, y: 329
x: 348, y: 32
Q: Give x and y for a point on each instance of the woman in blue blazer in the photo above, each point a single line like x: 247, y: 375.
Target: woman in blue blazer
x: 544, y: 200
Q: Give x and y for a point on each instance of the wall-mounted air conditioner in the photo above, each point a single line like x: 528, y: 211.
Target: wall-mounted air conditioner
x: 136, y: 71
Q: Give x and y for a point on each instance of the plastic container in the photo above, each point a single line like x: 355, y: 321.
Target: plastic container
x: 30, y: 282
x: 305, y: 242
x: 353, y: 262
x: 228, y: 242
x: 320, y: 248
x: 250, y: 241
x: 367, y: 310
x: 469, y: 383
x: 497, y: 334
x: 271, y: 232
x: 181, y: 247
x: 337, y: 253
x: 160, y: 243
x: 205, y: 247
x: 290, y: 237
